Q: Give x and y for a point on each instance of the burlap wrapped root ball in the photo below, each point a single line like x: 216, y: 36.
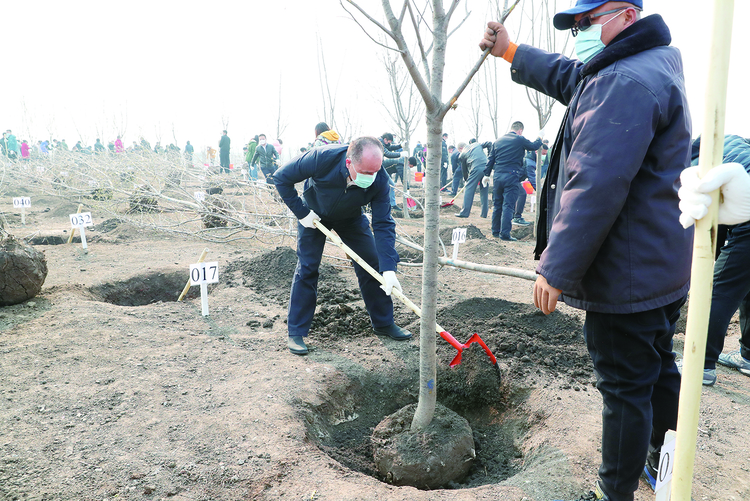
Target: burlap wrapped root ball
x: 22, y: 271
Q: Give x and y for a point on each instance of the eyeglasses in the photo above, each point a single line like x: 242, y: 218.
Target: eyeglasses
x: 585, y: 22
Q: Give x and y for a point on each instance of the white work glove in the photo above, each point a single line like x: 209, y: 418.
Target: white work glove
x: 486, y: 181
x: 307, y: 221
x: 404, y: 154
x: 734, y: 204
x: 390, y: 282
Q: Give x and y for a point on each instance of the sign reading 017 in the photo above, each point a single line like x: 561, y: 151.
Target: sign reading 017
x: 81, y: 219
x: 204, y: 273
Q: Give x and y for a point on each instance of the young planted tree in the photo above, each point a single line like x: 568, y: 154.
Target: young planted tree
x: 427, y: 75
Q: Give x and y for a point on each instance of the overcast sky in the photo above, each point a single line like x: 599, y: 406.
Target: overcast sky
x: 173, y: 70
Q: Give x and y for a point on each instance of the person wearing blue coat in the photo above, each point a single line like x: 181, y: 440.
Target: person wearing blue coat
x: 607, y: 239
x: 507, y: 161
x: 339, y: 181
x: 731, y: 289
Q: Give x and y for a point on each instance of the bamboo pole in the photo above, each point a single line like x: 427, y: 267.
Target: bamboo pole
x: 336, y: 240
x: 187, y: 285
x: 704, y: 245
x: 73, y: 231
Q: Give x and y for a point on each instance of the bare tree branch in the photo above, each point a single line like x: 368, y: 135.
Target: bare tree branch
x: 473, y: 71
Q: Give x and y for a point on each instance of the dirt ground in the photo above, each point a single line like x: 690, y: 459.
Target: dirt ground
x: 110, y: 389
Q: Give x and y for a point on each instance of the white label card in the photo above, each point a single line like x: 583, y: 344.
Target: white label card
x: 82, y: 219
x: 204, y: 273
x: 19, y: 202
x: 459, y: 236
x: 199, y: 196
x: 666, y: 463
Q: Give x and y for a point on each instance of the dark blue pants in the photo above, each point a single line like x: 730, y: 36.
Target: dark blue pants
x: 474, y: 180
x: 521, y: 202
x: 443, y: 175
x: 310, y: 242
x: 731, y: 291
x: 224, y: 160
x: 458, y: 181
x: 504, y: 196
x: 640, y: 386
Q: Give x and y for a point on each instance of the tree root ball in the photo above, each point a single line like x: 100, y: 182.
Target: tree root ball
x: 142, y: 202
x: 433, y: 458
x: 216, y: 213
x: 22, y: 271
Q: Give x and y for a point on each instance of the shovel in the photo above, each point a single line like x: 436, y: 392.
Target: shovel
x: 448, y: 204
x: 413, y: 307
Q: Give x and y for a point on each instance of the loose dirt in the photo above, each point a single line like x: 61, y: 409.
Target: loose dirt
x: 111, y: 389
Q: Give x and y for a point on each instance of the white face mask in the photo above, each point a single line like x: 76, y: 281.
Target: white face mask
x: 262, y: 142
x: 589, y: 43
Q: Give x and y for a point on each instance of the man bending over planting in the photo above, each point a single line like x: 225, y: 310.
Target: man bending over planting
x: 339, y: 181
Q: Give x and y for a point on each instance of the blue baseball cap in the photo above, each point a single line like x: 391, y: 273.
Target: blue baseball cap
x: 567, y: 18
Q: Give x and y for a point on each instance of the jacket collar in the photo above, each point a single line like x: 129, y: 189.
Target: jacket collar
x: 643, y: 35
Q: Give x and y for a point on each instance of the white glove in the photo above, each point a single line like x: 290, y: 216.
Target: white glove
x: 390, y: 282
x: 307, y: 221
x: 404, y: 154
x: 486, y: 181
x: 734, y: 203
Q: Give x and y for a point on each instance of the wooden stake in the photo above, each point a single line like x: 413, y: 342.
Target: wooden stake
x: 711, y: 154
x: 187, y: 285
x: 73, y: 230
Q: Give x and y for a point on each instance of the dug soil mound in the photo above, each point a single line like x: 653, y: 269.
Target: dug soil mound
x: 520, y: 335
x: 270, y: 275
x: 472, y: 232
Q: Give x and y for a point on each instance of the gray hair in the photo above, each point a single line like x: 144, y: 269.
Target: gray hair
x: 358, y: 145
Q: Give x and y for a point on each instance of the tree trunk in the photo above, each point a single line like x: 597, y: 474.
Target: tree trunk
x: 427, y: 337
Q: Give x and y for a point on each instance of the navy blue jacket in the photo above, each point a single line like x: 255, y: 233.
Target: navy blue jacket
x: 613, y: 243
x: 508, y: 152
x: 736, y: 149
x: 328, y: 194
x: 455, y: 164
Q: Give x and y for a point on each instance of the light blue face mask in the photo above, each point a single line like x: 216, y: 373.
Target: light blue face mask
x: 589, y: 43
x: 364, y: 181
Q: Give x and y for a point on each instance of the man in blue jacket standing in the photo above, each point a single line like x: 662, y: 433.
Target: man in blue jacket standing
x: 731, y: 289
x: 224, y: 152
x: 507, y: 160
x: 607, y: 239
x: 339, y: 180
x: 473, y: 160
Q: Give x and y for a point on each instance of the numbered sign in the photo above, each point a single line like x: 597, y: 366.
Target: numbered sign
x: 459, y: 236
x: 204, y: 273
x: 19, y: 202
x: 81, y: 220
x: 666, y: 463
x: 200, y: 196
